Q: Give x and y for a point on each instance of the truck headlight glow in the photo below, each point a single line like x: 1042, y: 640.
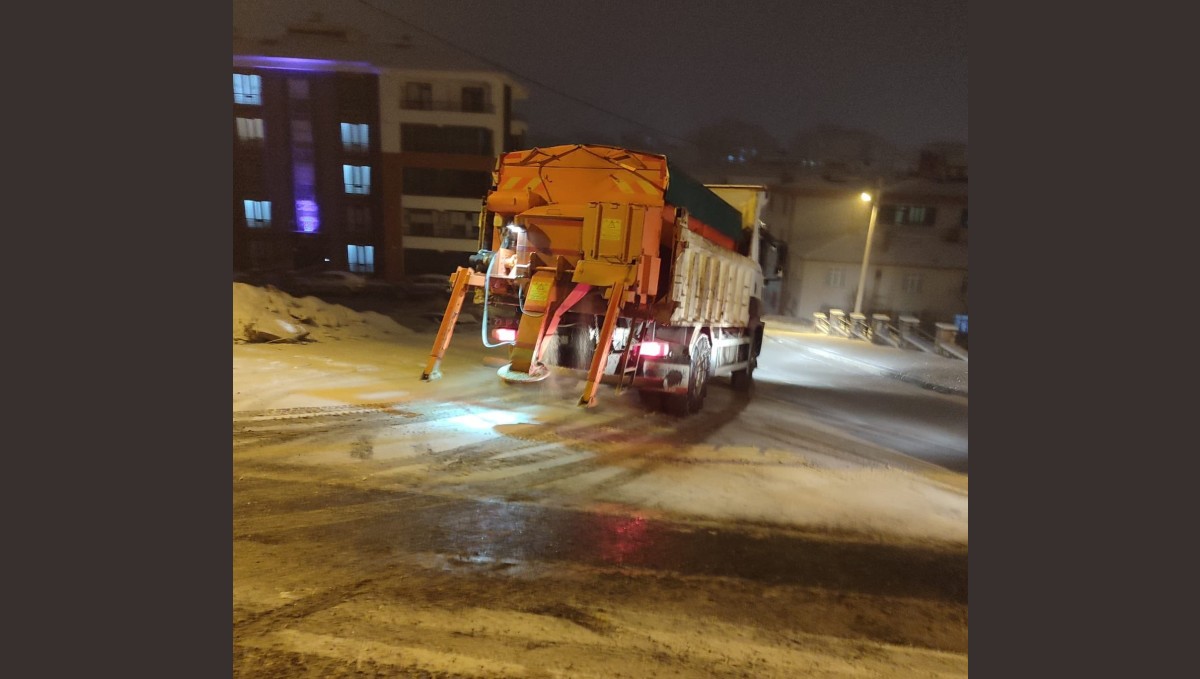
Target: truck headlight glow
x: 505, y: 334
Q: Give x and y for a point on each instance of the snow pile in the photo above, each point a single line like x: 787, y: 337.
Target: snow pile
x: 271, y: 315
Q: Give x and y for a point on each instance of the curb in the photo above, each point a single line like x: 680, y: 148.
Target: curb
x: 894, y: 374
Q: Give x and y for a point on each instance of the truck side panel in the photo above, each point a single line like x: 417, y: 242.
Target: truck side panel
x: 711, y: 285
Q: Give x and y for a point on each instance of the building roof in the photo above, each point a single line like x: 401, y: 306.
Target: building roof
x: 317, y: 40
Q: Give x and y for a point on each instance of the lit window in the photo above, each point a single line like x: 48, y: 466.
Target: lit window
x: 912, y: 282
x: 250, y: 129
x: 247, y: 89
x: 354, y: 136
x: 835, y: 278
x: 361, y: 258
x: 357, y: 178
x: 258, y: 213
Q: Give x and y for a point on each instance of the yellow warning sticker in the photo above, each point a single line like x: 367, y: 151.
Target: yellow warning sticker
x: 610, y: 229
x: 539, y: 291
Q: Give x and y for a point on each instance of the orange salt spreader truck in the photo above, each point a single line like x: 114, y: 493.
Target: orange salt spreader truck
x: 612, y: 261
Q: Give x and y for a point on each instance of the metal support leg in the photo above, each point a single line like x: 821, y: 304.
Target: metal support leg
x: 458, y: 293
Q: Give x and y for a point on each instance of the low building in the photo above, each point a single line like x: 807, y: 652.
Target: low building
x: 918, y: 261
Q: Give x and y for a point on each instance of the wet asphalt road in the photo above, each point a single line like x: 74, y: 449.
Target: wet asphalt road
x: 324, y: 568
x: 503, y: 534
x: 343, y: 568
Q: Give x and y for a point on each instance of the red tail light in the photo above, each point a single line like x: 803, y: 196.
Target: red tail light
x: 505, y: 334
x: 654, y: 348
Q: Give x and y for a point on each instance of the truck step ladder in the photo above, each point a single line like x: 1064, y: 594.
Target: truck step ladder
x: 626, y: 370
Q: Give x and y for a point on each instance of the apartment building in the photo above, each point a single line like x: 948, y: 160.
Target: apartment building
x: 360, y: 156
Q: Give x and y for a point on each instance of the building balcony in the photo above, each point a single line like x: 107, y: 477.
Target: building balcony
x: 460, y: 106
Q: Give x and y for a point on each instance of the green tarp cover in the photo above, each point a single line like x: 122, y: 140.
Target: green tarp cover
x: 703, y: 204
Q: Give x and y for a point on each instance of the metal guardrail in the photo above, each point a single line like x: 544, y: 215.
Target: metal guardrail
x: 946, y: 342
x: 839, y: 324
x: 921, y: 334
x: 952, y: 351
x: 907, y: 336
x: 821, y: 322
x: 859, y: 328
x: 890, y: 336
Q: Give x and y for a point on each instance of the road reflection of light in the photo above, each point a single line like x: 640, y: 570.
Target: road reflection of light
x: 486, y: 419
x: 622, y: 538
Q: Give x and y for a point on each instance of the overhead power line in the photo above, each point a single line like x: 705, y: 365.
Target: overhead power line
x: 533, y: 81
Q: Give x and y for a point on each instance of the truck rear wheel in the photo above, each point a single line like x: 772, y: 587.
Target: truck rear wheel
x: 691, y: 402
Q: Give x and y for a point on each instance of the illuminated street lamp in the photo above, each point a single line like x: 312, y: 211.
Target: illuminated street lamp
x: 862, y: 274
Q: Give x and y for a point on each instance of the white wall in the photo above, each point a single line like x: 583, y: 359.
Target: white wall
x: 940, y: 298
x: 447, y: 86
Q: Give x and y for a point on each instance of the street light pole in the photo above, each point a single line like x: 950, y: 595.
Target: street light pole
x: 862, y: 274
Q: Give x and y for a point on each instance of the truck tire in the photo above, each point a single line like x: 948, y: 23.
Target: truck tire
x: 691, y: 402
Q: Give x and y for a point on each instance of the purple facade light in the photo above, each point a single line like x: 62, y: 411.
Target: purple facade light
x: 308, y: 216
x: 298, y: 64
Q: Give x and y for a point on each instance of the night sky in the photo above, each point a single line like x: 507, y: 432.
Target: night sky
x: 895, y: 69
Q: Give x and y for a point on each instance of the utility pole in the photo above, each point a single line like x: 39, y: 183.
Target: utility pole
x: 862, y: 274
